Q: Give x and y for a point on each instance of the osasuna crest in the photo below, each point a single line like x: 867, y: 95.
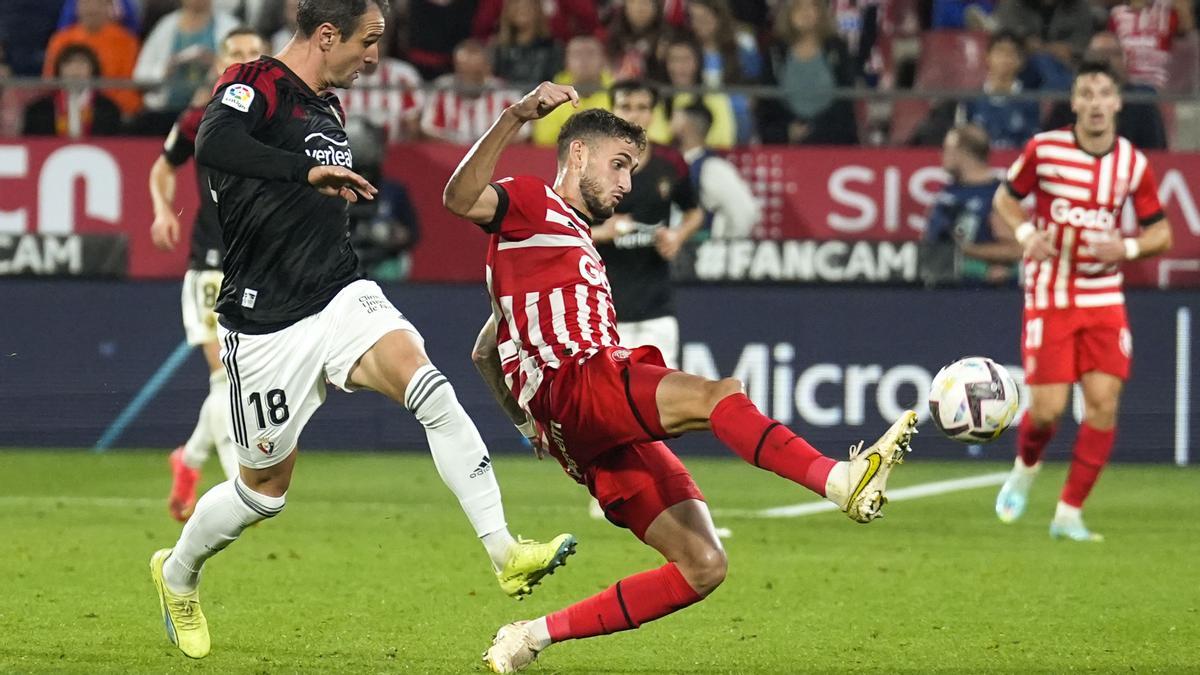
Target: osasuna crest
x: 664, y: 188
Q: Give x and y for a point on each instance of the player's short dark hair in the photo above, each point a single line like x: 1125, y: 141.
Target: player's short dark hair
x: 343, y: 14
x: 700, y: 115
x: 240, y: 31
x: 973, y: 140
x: 595, y: 123
x: 1007, y: 35
x: 75, y: 51
x: 631, y: 87
x: 1097, y: 67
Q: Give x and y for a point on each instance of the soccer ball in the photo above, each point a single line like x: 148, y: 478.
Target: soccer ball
x: 973, y: 400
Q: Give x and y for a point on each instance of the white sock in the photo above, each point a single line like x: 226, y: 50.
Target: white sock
x: 1066, y: 513
x: 837, y: 485
x: 458, y: 451
x: 498, y: 544
x: 218, y: 422
x: 200, y: 443
x: 221, y: 515
x: 540, y: 632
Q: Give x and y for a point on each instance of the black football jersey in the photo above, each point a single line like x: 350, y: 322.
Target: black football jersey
x: 287, y: 246
x: 640, y: 277
x: 207, y: 249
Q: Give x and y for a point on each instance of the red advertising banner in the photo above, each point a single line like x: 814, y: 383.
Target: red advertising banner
x: 54, y: 187
x: 807, y: 193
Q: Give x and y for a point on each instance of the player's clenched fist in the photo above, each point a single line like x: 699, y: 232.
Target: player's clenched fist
x: 335, y: 181
x: 539, y: 102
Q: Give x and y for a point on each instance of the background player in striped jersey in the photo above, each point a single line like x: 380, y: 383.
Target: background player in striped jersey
x: 1075, y: 328
x: 201, y: 283
x: 550, y: 355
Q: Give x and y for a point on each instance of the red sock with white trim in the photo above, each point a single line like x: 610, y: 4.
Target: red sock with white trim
x: 767, y: 444
x: 1092, y: 450
x: 625, y: 605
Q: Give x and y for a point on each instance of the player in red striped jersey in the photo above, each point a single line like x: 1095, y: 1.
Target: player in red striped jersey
x: 1075, y: 328
x: 550, y: 354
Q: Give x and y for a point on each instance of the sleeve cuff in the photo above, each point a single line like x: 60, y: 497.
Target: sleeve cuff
x: 1151, y: 219
x: 303, y: 166
x: 493, y: 226
x: 1012, y: 190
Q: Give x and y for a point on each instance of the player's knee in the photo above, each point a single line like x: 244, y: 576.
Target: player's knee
x: 433, y: 402
x: 259, y: 506
x: 705, y: 569
x: 1101, y: 414
x: 1045, y: 414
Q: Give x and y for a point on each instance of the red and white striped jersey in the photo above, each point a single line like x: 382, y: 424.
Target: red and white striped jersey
x: 387, y: 108
x: 463, y: 118
x: 1145, y: 35
x: 1079, y: 199
x: 550, y: 292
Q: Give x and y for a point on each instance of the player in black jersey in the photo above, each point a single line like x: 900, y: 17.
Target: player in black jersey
x: 638, y: 242
x: 201, y: 283
x: 294, y: 313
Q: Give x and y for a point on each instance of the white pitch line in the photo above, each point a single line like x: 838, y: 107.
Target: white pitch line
x: 793, y: 511
x: 940, y: 487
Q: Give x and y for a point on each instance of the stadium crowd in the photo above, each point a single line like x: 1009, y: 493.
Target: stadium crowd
x: 449, y: 66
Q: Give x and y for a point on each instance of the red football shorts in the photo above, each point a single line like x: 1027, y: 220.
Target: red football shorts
x: 600, y: 418
x: 1060, y: 345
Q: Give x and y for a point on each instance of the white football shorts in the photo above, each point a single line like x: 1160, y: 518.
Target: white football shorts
x: 201, y: 288
x: 277, y: 380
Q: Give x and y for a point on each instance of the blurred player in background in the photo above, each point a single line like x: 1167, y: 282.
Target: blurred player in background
x: 1075, y: 327
x: 201, y: 283
x: 960, y: 244
x: 550, y: 355
x: 638, y: 243
x: 295, y: 313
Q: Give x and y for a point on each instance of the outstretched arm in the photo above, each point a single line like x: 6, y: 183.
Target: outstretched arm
x: 486, y: 357
x: 466, y: 194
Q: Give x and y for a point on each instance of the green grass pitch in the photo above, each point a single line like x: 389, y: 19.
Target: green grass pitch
x: 372, y: 568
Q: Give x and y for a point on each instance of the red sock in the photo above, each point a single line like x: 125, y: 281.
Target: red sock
x: 625, y: 605
x: 1092, y: 449
x: 1031, y: 441
x: 768, y: 444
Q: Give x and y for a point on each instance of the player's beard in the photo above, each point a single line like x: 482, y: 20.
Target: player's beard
x: 592, y: 198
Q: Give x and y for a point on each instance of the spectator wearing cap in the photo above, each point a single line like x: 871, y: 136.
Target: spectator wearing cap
x: 114, y: 45
x: 76, y: 112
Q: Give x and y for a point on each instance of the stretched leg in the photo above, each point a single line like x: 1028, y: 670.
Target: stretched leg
x: 221, y: 516
x: 1093, y: 446
x: 687, y: 402
x: 696, y: 565
x: 1046, y: 405
x: 397, y: 367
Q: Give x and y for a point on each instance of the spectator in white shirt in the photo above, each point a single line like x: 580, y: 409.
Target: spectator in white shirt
x: 180, y: 52
x: 730, y: 208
